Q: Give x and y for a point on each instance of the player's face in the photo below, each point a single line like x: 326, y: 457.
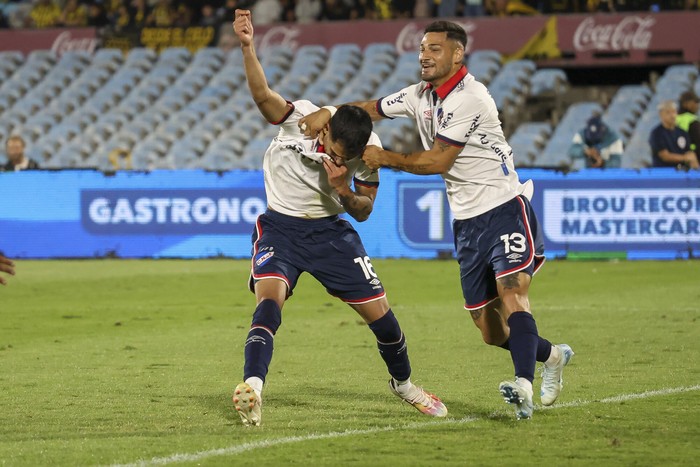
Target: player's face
x: 439, y: 57
x: 668, y: 117
x: 15, y: 150
x: 334, y: 149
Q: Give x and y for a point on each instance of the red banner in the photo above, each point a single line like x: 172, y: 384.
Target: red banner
x: 58, y: 40
x: 575, y: 40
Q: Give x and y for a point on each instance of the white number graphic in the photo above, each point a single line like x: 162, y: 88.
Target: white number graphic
x: 514, y: 242
x: 366, y: 266
x: 432, y: 202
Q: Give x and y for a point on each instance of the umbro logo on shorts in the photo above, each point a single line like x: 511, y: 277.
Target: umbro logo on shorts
x: 514, y: 257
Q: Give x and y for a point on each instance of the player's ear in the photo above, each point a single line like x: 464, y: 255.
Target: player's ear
x: 458, y: 55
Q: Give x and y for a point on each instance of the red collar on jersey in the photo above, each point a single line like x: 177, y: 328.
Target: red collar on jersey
x: 445, y: 88
x: 319, y: 147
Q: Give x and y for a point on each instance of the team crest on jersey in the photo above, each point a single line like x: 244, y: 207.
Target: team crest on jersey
x: 262, y: 258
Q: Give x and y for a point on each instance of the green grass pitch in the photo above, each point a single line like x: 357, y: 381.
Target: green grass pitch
x: 133, y: 362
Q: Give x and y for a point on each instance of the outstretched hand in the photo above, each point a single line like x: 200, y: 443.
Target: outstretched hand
x: 310, y: 125
x: 7, y: 266
x: 243, y: 27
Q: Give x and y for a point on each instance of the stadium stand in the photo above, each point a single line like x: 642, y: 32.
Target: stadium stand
x: 179, y: 109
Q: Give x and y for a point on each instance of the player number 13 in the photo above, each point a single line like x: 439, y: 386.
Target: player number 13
x: 514, y: 242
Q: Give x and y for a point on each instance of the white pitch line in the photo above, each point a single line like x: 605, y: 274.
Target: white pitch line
x: 237, y: 449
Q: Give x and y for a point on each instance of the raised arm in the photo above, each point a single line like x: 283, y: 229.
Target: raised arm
x: 439, y: 159
x: 313, y: 123
x: 271, y: 105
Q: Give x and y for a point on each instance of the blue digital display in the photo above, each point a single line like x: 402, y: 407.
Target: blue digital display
x: 194, y: 214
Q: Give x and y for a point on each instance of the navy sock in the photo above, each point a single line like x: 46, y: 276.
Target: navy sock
x: 392, y: 346
x: 544, y: 348
x: 523, y: 344
x: 259, y: 344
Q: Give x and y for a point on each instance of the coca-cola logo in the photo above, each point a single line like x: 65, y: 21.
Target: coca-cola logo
x: 632, y: 32
x: 65, y: 42
x: 410, y: 36
x: 279, y: 35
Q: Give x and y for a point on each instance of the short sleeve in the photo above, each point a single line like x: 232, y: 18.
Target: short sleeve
x: 399, y: 104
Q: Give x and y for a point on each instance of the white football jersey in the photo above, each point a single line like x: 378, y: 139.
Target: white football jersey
x: 296, y: 184
x: 462, y: 113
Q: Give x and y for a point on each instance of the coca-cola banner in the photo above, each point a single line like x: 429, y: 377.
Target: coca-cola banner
x: 58, y: 40
x: 574, y: 40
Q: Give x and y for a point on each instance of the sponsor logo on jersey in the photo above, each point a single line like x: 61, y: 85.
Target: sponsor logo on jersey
x: 473, y: 126
x: 375, y: 281
x: 396, y: 100
x: 428, y: 114
x: 263, y: 258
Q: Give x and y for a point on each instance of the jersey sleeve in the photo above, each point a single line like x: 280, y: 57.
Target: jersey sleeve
x: 399, y: 104
x: 289, y: 124
x: 365, y: 176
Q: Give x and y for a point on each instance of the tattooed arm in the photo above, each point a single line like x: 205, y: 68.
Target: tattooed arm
x: 359, y: 203
x: 439, y: 159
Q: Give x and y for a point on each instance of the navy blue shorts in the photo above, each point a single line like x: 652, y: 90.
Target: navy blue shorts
x: 502, y: 241
x: 328, y: 248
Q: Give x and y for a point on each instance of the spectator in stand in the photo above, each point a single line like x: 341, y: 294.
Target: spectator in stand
x: 307, y: 11
x: 6, y: 266
x: 97, y: 16
x: 605, y: 6
x: 45, y: 14
x: 121, y: 16
x: 473, y: 8
x: 4, y: 23
x: 162, y: 14
x: 509, y: 8
x: 687, y: 118
x: 598, y: 144
x: 184, y: 16
x: 74, y: 14
x: 670, y: 146
x: 443, y: 8
x: 208, y: 18
x: 227, y: 13
x: 266, y: 11
x: 16, y: 160
x: 363, y: 9
x: 334, y: 10
x: 139, y: 11
x: 403, y: 8
x: 288, y: 11
x: 382, y: 9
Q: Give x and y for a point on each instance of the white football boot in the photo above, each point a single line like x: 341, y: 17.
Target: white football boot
x: 552, y: 381
x: 519, y: 396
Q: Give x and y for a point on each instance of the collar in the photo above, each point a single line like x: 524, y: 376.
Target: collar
x: 445, y: 88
